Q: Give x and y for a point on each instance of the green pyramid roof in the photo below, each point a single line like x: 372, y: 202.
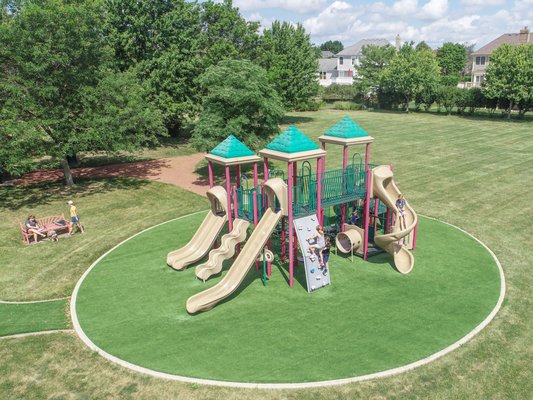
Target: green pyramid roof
x: 346, y: 129
x: 231, y: 148
x: 292, y: 141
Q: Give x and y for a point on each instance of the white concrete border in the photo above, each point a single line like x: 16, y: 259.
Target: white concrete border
x: 22, y: 335
x: 33, y: 301
x: 303, y: 385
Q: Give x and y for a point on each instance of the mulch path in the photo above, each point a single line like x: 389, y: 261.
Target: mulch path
x: 179, y: 171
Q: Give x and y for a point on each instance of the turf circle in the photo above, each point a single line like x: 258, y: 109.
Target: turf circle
x: 131, y: 307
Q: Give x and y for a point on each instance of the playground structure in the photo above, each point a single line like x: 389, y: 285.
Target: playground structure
x: 289, y: 204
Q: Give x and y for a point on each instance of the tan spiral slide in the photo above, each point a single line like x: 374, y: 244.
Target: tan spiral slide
x: 206, y: 300
x: 205, y: 236
x: 385, y: 189
x: 226, y: 250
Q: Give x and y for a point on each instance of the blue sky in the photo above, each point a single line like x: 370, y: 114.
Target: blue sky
x: 434, y: 21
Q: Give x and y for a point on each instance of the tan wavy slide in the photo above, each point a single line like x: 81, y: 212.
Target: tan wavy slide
x: 207, y: 299
x: 205, y: 236
x: 226, y: 250
x: 385, y: 189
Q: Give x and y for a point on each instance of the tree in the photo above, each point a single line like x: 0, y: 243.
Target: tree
x: 452, y: 58
x: 243, y: 104
x: 510, y: 75
x: 58, y: 96
x: 288, y: 56
x: 162, y: 42
x: 410, y: 72
x: 226, y: 34
x: 423, y: 46
x: 332, y: 45
x: 374, y: 60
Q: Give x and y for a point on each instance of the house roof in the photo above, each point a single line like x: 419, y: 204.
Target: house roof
x: 346, y: 128
x: 291, y: 140
x: 327, y: 54
x: 509, y: 38
x: 356, y: 48
x: 327, y: 64
x: 231, y: 147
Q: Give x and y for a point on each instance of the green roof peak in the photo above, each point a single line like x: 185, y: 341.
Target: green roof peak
x: 291, y: 140
x: 231, y: 148
x: 346, y: 129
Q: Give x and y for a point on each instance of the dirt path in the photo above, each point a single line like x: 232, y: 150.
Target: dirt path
x: 179, y: 171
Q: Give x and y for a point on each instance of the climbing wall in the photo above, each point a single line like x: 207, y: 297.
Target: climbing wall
x: 315, y: 276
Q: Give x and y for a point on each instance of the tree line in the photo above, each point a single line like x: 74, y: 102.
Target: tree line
x: 108, y: 75
x: 418, y: 75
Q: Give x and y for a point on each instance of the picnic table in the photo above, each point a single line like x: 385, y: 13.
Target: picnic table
x: 57, y: 223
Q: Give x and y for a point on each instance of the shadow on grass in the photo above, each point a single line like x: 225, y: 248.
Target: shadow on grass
x: 37, y: 194
x: 219, y: 174
x: 295, y: 119
x: 476, y: 116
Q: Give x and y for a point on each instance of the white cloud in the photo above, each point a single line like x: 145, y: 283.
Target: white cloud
x: 300, y: 6
x: 405, y: 7
x: 433, y: 9
x: 335, y: 20
x: 482, y: 3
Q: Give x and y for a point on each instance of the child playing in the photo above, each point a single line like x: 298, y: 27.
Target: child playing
x: 319, y: 245
x: 400, y: 205
x: 325, y: 255
x: 74, y: 217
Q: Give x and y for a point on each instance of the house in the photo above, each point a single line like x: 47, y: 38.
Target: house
x: 327, y: 54
x: 480, y: 58
x: 341, y: 70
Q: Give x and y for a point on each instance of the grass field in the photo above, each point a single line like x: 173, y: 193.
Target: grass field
x: 370, y: 319
x: 474, y: 173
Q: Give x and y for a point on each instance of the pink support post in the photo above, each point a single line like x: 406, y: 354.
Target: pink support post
x: 291, y: 238
x: 376, y: 211
x: 238, y: 175
x: 283, y: 241
x: 366, y: 214
x: 255, y: 205
x: 319, y: 190
x: 344, y: 164
x: 235, y: 203
x: 265, y: 202
x: 211, y: 178
x: 367, y: 155
x: 228, y: 192
x: 295, y: 200
x: 415, y: 234
x: 388, y: 220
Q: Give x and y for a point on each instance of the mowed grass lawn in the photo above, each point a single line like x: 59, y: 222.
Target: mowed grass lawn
x: 475, y: 173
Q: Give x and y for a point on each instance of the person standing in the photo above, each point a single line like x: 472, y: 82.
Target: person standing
x: 74, y: 216
x: 400, y: 205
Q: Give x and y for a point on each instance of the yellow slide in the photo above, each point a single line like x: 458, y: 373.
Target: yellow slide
x: 206, y: 300
x: 205, y: 236
x: 226, y: 250
x: 385, y: 189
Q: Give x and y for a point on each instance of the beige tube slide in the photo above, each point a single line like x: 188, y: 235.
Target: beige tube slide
x: 226, y: 250
x: 206, y: 300
x: 385, y: 189
x: 205, y: 236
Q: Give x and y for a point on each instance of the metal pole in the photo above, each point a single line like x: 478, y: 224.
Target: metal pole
x: 319, y: 190
x: 210, y: 169
x: 343, y: 206
x: 291, y: 238
x: 228, y: 192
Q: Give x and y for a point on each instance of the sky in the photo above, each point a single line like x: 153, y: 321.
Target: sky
x: 434, y: 21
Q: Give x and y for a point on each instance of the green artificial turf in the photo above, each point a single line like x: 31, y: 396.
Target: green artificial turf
x: 33, y: 317
x: 370, y: 319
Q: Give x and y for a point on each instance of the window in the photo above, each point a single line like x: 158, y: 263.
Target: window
x: 354, y: 60
x: 481, y: 60
x: 341, y: 60
x: 322, y: 75
x: 480, y: 78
